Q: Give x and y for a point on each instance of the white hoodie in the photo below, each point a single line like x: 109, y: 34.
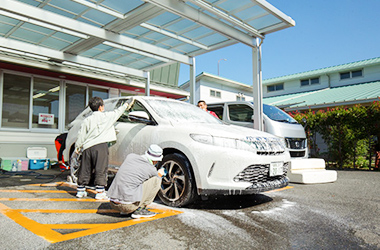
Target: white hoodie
x: 98, y: 128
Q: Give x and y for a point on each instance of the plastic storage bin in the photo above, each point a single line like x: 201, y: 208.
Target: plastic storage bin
x: 36, y: 164
x: 14, y: 164
x: 38, y: 158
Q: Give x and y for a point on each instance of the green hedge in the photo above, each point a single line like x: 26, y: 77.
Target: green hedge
x: 350, y: 134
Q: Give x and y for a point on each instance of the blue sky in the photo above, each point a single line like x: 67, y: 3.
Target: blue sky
x: 327, y: 33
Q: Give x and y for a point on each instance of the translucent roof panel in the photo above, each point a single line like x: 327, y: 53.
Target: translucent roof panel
x: 133, y: 36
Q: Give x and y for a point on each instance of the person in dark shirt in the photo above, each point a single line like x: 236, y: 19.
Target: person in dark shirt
x: 60, y: 145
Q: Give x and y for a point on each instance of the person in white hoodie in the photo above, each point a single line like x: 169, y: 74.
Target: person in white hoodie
x: 95, y: 132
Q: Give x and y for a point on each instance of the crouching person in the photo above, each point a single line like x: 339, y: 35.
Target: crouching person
x: 137, y: 183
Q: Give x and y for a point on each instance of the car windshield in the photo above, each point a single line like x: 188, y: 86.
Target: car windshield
x: 277, y: 114
x: 180, y: 112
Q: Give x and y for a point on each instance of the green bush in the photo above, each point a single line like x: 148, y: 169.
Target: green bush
x: 348, y: 133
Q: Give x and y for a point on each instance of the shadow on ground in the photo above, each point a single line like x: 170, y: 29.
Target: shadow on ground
x: 19, y: 178
x: 230, y: 202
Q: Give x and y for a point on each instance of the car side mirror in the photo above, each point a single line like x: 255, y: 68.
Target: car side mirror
x: 139, y: 116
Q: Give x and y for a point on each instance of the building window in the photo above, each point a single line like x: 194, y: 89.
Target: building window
x: 16, y: 100
x: 75, y: 101
x: 99, y: 92
x: 215, y: 93
x: 275, y: 87
x: 45, y: 103
x: 356, y: 73
x: 311, y: 81
x: 240, y: 97
x: 34, y: 102
x: 351, y: 74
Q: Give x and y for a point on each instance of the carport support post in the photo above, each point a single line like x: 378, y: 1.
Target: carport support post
x: 192, y: 81
x: 147, y: 84
x: 257, y: 87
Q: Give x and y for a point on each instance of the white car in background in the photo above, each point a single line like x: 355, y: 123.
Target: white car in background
x: 203, y: 156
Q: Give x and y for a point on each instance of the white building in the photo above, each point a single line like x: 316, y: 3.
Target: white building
x: 342, y: 85
x: 212, y: 88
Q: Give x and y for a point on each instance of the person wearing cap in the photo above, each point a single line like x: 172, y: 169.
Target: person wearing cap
x: 137, y: 183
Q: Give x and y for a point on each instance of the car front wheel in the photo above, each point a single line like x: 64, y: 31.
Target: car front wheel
x: 178, y: 186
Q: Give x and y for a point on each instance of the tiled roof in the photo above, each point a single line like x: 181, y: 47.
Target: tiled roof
x: 329, y: 97
x: 327, y: 70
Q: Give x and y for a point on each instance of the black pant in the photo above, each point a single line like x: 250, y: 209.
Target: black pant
x: 94, y: 159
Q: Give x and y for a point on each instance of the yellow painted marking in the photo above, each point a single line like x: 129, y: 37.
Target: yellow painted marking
x: 66, y: 211
x: 52, y: 199
x: 73, y: 226
x: 31, y: 225
x: 280, y: 189
x: 35, y: 191
x: 47, y: 231
x: 48, y: 184
x: 65, y: 184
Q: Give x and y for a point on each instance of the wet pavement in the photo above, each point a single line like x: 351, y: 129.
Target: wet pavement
x: 41, y: 212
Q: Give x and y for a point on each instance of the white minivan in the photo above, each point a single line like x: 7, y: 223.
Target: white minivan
x: 276, y: 122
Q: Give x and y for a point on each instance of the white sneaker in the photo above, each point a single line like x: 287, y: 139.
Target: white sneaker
x: 81, y: 194
x: 101, y: 196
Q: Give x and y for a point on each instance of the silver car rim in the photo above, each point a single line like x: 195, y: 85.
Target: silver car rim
x: 174, y: 183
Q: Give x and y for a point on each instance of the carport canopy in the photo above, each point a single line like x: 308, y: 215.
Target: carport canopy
x: 129, y: 38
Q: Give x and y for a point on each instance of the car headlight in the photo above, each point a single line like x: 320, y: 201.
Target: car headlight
x: 249, y: 143
x: 283, y: 142
x: 223, y: 142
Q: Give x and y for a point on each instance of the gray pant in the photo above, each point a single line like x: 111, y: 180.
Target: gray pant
x: 94, y: 159
x: 150, y: 190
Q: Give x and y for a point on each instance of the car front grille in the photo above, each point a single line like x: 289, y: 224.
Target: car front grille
x: 259, y: 174
x: 270, y: 152
x: 297, y: 153
x: 295, y: 143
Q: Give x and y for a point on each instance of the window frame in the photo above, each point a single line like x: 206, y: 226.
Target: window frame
x: 309, y: 81
x: 275, y: 87
x: 350, y: 74
x: 62, y: 83
x: 241, y: 107
x: 218, y: 94
x: 32, y: 106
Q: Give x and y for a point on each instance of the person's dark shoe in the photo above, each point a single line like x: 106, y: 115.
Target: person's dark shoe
x: 142, y: 213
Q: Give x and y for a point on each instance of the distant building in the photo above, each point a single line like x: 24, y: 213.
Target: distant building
x: 212, y: 88
x: 342, y: 85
